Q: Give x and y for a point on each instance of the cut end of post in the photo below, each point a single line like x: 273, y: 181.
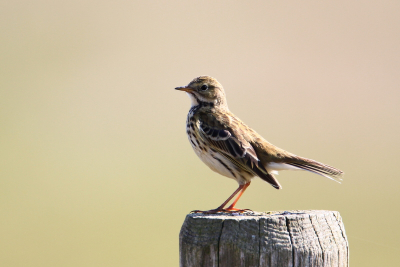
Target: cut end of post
x: 279, y: 238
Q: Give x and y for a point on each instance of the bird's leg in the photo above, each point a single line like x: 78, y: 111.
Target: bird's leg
x: 240, y: 188
x: 232, y: 206
x: 221, y: 207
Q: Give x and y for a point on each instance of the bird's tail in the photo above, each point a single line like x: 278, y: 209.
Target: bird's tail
x: 317, y: 167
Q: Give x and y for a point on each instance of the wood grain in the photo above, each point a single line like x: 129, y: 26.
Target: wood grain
x: 295, y: 239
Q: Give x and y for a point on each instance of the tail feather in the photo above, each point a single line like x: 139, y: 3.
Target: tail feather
x: 318, y: 168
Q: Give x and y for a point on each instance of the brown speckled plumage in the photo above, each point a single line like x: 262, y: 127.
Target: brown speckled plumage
x: 228, y: 146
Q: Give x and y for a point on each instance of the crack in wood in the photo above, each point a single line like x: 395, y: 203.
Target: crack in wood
x: 319, y: 241
x: 291, y: 240
x: 219, y: 241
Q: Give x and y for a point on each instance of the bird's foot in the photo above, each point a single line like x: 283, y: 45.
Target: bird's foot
x: 215, y: 211
x: 235, y: 210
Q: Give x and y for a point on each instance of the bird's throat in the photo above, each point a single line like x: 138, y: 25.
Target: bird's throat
x: 193, y: 100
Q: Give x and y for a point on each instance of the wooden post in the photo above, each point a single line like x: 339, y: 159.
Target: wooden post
x: 291, y: 238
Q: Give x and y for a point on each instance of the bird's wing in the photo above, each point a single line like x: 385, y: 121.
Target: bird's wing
x: 224, y: 134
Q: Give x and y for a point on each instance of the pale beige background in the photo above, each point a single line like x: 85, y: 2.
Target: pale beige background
x: 95, y: 167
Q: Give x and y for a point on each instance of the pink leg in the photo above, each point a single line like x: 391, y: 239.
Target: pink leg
x: 232, y: 206
x: 232, y: 196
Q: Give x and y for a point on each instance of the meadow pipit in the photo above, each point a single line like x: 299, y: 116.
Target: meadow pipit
x: 231, y: 148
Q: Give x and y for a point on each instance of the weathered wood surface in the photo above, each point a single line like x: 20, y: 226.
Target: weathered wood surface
x: 295, y: 239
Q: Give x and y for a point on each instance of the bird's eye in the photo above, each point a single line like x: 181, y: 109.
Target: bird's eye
x: 204, y: 87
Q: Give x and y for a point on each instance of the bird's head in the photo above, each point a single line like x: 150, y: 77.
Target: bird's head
x: 205, y: 89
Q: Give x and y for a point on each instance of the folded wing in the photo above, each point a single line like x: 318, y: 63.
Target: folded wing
x: 232, y: 143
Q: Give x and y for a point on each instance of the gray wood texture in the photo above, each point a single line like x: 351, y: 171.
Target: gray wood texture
x: 290, y: 238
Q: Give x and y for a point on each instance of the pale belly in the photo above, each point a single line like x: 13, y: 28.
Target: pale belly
x: 219, y: 164
x: 215, y: 161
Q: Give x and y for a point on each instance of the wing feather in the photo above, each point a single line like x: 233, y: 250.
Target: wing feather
x: 237, y: 149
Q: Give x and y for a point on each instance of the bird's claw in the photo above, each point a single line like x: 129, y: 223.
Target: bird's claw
x: 215, y: 211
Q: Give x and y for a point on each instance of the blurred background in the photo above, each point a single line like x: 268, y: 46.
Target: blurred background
x: 96, y: 168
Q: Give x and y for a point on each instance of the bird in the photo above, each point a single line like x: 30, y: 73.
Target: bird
x: 231, y: 148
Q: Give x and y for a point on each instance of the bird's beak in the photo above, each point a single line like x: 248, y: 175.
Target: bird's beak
x: 184, y: 88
